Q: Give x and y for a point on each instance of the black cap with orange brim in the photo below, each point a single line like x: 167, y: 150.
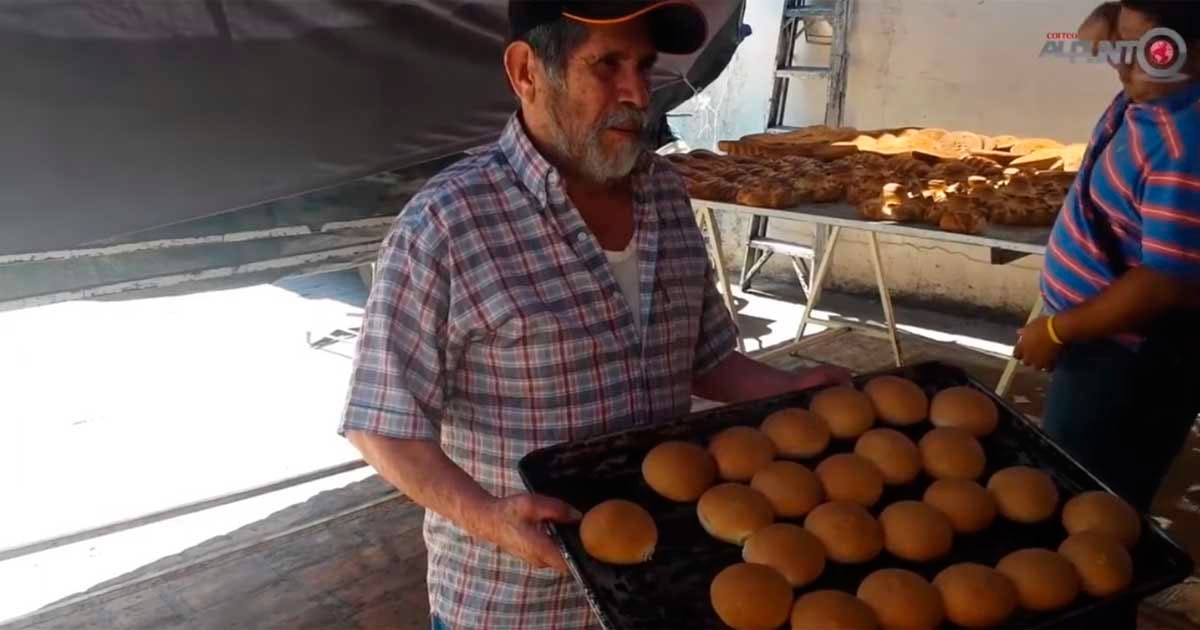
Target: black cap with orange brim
x: 678, y: 27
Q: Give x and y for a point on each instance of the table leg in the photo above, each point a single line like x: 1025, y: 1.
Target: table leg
x: 1010, y: 368
x: 714, y: 235
x: 819, y: 281
x: 885, y: 297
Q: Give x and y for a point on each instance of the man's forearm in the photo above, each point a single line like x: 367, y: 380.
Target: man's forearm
x: 1135, y: 299
x: 420, y: 470
x: 740, y: 378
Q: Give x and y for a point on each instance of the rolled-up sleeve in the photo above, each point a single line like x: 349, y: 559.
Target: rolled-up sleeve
x: 397, y: 387
x: 718, y: 333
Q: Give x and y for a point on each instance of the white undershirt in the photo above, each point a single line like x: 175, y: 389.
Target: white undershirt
x: 624, y: 265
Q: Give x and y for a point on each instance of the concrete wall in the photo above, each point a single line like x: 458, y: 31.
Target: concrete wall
x: 959, y: 64
x: 737, y: 102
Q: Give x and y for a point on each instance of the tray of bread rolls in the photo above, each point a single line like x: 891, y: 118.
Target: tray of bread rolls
x: 915, y: 498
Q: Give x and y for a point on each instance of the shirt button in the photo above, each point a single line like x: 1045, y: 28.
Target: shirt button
x: 581, y: 237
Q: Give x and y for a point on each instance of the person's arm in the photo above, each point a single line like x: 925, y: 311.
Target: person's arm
x: 1168, y: 278
x: 739, y: 378
x: 420, y: 470
x: 397, y: 394
x: 1136, y: 298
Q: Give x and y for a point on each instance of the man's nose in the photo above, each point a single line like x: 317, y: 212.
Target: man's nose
x: 634, y: 90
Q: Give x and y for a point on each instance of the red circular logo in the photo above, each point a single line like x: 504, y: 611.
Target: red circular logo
x: 1162, y: 52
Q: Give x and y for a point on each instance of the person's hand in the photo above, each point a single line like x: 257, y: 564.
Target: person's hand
x: 1034, y: 346
x: 821, y: 376
x: 516, y: 525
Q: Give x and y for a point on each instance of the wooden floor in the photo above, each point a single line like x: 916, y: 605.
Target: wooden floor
x: 354, y: 559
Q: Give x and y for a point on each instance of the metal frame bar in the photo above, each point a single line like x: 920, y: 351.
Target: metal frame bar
x: 830, y: 218
x: 708, y: 223
x: 885, y: 298
x: 1010, y: 368
x: 174, y: 512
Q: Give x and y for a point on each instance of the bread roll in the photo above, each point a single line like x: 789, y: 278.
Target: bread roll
x: 964, y: 408
x: 740, y: 452
x: 967, y: 504
x: 618, y: 532
x: 949, y: 453
x: 796, y: 433
x: 847, y: 411
x: 751, y: 596
x: 847, y: 530
x: 902, y: 599
x: 1105, y: 513
x: 792, y: 489
x: 849, y: 477
x: 790, y: 549
x: 1104, y: 566
x: 679, y: 471
x: 1045, y: 580
x: 976, y: 596
x: 732, y: 511
x: 915, y: 531
x: 897, y: 400
x: 1023, y: 494
x: 896, y: 456
x: 832, y: 610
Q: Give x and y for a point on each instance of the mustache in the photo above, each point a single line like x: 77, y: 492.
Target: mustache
x: 625, y: 118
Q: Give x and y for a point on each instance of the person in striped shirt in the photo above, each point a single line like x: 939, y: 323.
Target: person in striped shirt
x: 1121, y: 281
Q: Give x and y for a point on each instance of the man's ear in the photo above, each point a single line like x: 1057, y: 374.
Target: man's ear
x: 519, y: 66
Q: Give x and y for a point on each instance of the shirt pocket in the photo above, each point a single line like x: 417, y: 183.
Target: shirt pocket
x: 549, y: 378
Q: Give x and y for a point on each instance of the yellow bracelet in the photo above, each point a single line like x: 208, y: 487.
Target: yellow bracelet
x: 1050, y: 329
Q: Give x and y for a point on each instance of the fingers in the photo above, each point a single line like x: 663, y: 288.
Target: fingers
x: 536, y: 507
x: 545, y: 551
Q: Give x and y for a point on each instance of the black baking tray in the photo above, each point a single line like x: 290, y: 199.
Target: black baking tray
x: 672, y: 589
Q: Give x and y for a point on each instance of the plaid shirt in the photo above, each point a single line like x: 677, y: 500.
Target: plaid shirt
x: 495, y: 326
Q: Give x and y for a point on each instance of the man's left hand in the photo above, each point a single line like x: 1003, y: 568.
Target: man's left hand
x: 1034, y: 346
x: 822, y: 376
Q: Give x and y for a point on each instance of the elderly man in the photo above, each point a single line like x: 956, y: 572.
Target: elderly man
x: 1122, y: 273
x: 550, y: 287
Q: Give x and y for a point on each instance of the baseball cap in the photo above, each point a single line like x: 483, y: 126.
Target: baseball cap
x: 678, y: 27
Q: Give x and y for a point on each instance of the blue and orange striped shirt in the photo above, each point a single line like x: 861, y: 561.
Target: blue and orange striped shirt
x: 1136, y: 201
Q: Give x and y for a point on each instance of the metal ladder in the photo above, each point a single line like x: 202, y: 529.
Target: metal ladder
x: 796, y: 16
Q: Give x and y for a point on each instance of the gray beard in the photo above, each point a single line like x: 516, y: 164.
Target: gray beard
x: 587, y: 156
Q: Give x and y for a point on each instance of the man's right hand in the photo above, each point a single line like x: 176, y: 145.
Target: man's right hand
x: 516, y: 525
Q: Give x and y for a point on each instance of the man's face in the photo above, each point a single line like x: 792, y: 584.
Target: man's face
x: 597, y: 112
x: 1131, y: 26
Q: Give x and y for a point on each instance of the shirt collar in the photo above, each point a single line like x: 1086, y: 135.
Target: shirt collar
x: 533, y: 170
x: 1184, y: 97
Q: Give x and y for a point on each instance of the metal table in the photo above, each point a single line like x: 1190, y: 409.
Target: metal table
x: 1006, y: 243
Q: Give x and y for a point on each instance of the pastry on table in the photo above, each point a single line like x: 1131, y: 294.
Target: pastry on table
x: 951, y: 171
x: 1040, y: 159
x: 712, y: 189
x: 960, y: 142
x: 963, y: 222
x: 862, y: 190
x: 1073, y: 157
x: 1005, y: 141
x: 768, y: 193
x: 982, y: 165
x: 1026, y: 146
x: 821, y: 188
x: 933, y: 133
